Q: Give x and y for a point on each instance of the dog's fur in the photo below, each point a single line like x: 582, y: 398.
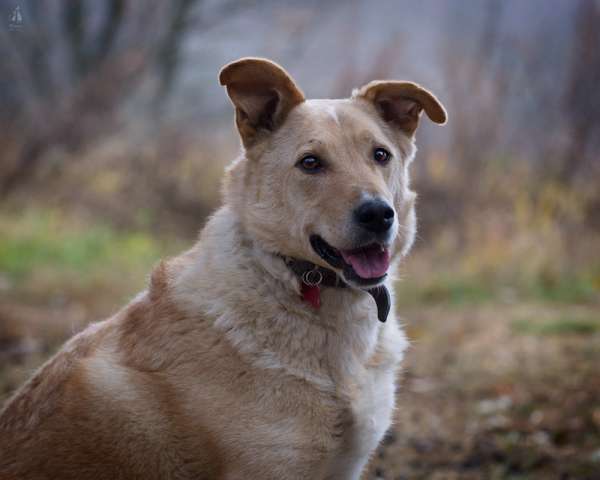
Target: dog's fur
x: 220, y: 369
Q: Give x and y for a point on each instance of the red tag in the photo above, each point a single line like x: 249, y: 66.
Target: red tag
x: 312, y: 295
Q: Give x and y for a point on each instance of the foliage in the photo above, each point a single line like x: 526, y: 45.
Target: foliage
x: 45, y: 253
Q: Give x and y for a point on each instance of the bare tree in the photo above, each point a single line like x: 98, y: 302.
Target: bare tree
x: 582, y: 98
x: 68, y: 68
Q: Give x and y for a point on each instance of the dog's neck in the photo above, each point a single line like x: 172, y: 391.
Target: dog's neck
x: 313, y: 277
x: 254, y: 298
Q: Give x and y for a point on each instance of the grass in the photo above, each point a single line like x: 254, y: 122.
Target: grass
x: 457, y: 291
x: 464, y: 289
x: 43, y: 242
x: 44, y: 252
x: 557, y: 326
x: 49, y: 248
x: 579, y: 288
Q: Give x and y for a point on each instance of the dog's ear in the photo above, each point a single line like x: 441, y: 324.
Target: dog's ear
x: 263, y: 94
x: 401, y: 103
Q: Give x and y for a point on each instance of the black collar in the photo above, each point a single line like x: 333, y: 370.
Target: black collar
x: 313, y: 275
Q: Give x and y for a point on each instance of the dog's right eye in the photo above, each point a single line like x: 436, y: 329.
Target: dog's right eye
x: 310, y: 164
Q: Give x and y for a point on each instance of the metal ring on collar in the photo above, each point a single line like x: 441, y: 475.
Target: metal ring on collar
x: 312, y: 278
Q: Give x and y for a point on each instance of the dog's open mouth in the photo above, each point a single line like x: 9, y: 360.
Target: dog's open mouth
x: 366, y: 265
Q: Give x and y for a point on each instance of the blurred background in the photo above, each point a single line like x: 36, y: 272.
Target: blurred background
x: 114, y: 134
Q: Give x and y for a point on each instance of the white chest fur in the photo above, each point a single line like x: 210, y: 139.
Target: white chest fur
x: 369, y: 385
x: 371, y: 410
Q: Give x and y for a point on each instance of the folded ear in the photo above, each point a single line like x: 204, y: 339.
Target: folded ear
x: 401, y: 103
x: 263, y: 94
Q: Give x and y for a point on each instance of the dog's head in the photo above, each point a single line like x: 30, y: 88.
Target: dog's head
x: 326, y: 180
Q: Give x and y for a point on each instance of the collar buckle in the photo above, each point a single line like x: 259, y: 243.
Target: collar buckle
x: 312, y: 278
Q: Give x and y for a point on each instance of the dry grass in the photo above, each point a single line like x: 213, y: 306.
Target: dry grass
x: 483, y: 400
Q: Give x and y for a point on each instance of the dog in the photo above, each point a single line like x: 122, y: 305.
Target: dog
x: 268, y: 350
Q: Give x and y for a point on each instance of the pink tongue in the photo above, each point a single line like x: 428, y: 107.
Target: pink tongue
x: 371, y: 262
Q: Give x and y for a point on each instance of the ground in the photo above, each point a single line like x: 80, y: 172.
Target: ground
x: 497, y: 392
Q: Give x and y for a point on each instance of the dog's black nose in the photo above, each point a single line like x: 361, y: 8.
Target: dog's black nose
x: 374, y: 215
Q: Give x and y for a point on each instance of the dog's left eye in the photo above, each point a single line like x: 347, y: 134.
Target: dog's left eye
x: 310, y: 164
x: 381, y: 156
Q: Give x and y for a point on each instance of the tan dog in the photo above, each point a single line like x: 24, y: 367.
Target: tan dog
x: 258, y: 353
